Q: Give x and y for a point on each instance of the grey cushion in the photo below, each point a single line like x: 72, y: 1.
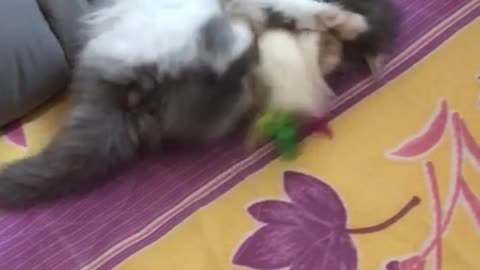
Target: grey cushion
x: 63, y: 17
x: 38, y: 43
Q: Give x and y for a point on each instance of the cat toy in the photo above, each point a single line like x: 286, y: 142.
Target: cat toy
x: 282, y: 129
x: 285, y: 130
x: 295, y: 88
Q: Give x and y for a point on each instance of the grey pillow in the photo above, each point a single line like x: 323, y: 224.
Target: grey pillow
x: 38, y: 43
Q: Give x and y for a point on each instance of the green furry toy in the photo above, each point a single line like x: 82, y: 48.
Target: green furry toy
x: 283, y: 129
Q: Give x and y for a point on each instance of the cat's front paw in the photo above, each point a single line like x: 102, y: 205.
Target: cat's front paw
x: 348, y: 25
x: 331, y: 54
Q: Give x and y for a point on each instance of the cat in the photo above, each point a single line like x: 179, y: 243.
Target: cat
x: 151, y: 70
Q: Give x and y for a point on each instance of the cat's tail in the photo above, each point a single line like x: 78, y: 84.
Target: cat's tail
x: 97, y: 139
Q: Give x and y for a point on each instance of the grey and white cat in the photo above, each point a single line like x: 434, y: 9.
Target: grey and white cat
x: 152, y: 70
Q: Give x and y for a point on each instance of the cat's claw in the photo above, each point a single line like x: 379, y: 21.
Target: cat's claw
x: 348, y: 25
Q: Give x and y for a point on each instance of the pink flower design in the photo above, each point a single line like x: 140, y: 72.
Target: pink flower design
x: 462, y: 142
x: 469, y: 143
x: 427, y: 139
x: 308, y: 233
x: 413, y: 263
x: 15, y: 134
x: 472, y: 200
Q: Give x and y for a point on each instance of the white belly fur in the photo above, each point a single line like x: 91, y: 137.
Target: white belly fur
x: 289, y: 67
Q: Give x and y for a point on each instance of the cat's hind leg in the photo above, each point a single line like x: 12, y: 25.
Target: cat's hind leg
x: 315, y: 15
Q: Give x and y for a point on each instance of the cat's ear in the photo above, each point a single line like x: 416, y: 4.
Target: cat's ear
x: 223, y: 41
x: 216, y: 36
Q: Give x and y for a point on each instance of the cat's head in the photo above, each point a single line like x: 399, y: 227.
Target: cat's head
x: 201, y: 103
x: 204, y: 99
x: 208, y: 100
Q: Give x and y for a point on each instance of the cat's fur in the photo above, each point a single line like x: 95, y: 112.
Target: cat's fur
x: 151, y: 70
x: 384, y: 19
x: 291, y: 70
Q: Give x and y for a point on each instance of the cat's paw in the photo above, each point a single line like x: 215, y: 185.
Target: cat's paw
x: 348, y: 25
x: 331, y: 53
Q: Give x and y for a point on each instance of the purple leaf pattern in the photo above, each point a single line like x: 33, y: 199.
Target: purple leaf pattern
x: 307, y: 233
x: 15, y: 134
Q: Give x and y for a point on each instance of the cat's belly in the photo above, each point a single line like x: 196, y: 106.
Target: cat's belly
x: 137, y: 32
